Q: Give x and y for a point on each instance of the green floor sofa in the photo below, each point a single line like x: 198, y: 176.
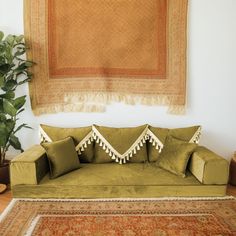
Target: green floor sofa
x: 105, y: 173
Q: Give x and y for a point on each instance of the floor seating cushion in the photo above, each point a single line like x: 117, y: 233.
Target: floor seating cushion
x: 115, y: 175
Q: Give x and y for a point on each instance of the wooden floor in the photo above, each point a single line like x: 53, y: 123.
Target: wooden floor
x: 6, y: 197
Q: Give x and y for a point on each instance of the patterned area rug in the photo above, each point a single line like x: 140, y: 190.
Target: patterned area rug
x: 160, y: 217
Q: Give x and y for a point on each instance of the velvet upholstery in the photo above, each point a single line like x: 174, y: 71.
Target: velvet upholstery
x: 78, y: 134
x: 208, y: 167
x: 121, y: 139
x: 112, y: 180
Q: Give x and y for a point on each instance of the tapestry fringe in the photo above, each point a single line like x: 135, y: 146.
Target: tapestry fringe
x: 97, y: 102
x: 101, y: 99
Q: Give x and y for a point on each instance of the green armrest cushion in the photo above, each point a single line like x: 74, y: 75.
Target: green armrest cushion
x: 29, y: 167
x: 208, y: 167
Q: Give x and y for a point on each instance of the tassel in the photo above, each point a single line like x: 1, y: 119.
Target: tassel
x: 150, y: 140
x: 135, y: 151
x: 79, y: 152
x: 141, y: 144
x: 114, y: 157
x: 117, y: 160
x: 124, y: 161
x: 82, y: 149
x: 89, y: 141
x: 97, y: 141
x: 127, y: 158
x: 144, y: 141
x: 153, y: 143
x: 120, y: 162
x: 110, y: 154
x: 157, y: 147
x: 107, y: 150
x: 104, y: 147
x: 101, y: 144
x: 138, y: 148
x: 131, y: 154
x: 159, y: 150
x: 85, y: 145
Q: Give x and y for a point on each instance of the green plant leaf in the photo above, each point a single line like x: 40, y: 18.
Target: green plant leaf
x: 21, y: 110
x: 9, y: 108
x: 1, y: 35
x: 4, y: 68
x: 8, y: 95
x: 3, y: 117
x: 10, y: 125
x: 1, y: 81
x: 14, y: 141
x: 10, y: 39
x: 24, y: 81
x: 9, y: 85
x: 19, y: 38
x: 19, y: 53
x: 3, y: 135
x: 19, y: 102
x: 22, y: 126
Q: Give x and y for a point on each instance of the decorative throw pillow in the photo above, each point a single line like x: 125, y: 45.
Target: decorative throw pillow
x: 82, y: 138
x: 175, y: 155
x: 120, y: 144
x: 158, y: 135
x: 62, y: 156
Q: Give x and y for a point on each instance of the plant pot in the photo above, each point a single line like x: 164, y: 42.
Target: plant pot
x: 5, y: 173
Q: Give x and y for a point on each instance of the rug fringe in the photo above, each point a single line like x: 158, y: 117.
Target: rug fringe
x: 131, y: 199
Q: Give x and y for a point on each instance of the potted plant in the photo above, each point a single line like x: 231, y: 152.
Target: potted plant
x: 14, y: 71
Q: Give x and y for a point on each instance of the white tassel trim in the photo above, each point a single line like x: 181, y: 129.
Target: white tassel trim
x: 43, y: 135
x: 83, y: 144
x: 118, y: 157
x: 156, y: 142
x: 196, y: 136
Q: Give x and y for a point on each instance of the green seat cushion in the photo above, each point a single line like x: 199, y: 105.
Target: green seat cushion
x: 175, y: 155
x: 157, y: 137
x: 82, y: 137
x: 120, y: 144
x: 62, y: 156
x: 109, y: 180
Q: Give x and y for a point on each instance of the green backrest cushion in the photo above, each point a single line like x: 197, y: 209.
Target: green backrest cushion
x: 78, y: 134
x: 188, y: 134
x: 62, y: 156
x: 121, y: 140
x: 175, y: 155
x: 153, y: 149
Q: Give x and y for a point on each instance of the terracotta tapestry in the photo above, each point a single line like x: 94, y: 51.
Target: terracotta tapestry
x: 91, y: 53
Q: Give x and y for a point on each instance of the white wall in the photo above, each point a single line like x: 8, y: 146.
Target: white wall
x: 211, y: 81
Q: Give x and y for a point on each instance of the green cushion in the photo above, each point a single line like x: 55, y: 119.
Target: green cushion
x: 62, y: 156
x: 82, y: 138
x: 120, y: 144
x: 175, y: 155
x: 189, y: 134
x: 132, y: 180
x: 158, y: 135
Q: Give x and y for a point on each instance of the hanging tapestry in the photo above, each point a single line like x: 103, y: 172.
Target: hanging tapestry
x: 94, y: 52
